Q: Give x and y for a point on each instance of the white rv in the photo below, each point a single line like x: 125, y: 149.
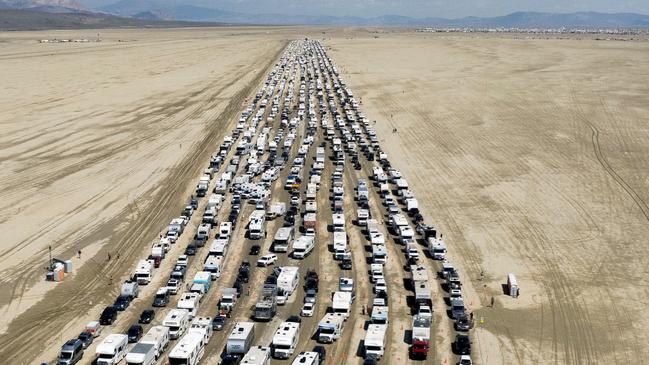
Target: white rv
x: 307, y: 358
x: 288, y: 279
x: 241, y: 337
x: 437, y: 248
x: 379, y: 254
x: 191, y: 302
x: 141, y: 354
x: 375, y: 340
x: 188, y: 351
x: 112, y: 350
x: 213, y: 265
x: 158, y: 336
x: 201, y: 326
x: 303, y: 246
x: 285, y: 340
x: 330, y: 327
x: 219, y: 247
x: 340, y: 241
x: 257, y: 355
x: 283, y: 238
x: 177, y: 320
x: 342, y: 303
x: 143, y: 272
x: 338, y: 222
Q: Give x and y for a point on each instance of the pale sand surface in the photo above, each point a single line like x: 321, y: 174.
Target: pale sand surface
x: 531, y: 157
x: 100, y: 145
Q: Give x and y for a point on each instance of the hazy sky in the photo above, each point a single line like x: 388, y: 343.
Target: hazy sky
x: 415, y: 8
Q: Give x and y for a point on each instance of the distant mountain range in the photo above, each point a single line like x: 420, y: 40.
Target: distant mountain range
x: 16, y: 19
x: 170, y: 10
x: 50, y: 6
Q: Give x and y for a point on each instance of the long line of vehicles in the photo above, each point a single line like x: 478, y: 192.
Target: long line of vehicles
x: 245, y: 169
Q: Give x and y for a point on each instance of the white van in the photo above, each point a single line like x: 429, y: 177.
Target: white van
x: 112, y: 350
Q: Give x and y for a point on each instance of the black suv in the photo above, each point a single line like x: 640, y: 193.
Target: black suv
x: 147, y: 316
x: 462, y: 345
x: 134, y: 333
x: 108, y: 316
x: 122, y: 302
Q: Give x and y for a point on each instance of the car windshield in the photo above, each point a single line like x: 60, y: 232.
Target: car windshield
x: 65, y: 355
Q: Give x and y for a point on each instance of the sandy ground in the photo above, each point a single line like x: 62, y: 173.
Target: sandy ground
x: 99, y: 147
x: 531, y: 157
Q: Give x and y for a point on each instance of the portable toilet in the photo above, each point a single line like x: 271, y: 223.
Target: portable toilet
x: 68, y: 266
x: 512, y: 285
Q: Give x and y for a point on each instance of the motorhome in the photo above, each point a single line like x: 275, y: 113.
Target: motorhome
x: 141, y: 354
x: 191, y: 302
x: 159, y: 337
x: 362, y: 215
x: 213, y: 265
x: 307, y: 358
x: 342, y: 303
x: 112, y: 349
x: 188, y: 351
x: 285, y: 340
x: 288, y: 279
x: 257, y: 228
x: 320, y: 154
x: 311, y: 207
x: 257, y: 355
x: 374, y: 344
x: 240, y: 338
x: 340, y: 240
x: 310, y: 220
x: 303, y: 246
x: 283, y: 238
x: 379, y: 254
x: 219, y: 247
x: 437, y: 248
x: 423, y: 294
x: 143, y: 272
x: 177, y: 320
x: 420, y: 338
x: 418, y: 274
x: 201, y: 326
x: 330, y: 328
x: 397, y: 221
x: 276, y: 210
x: 379, y: 315
x: 338, y: 222
x: 406, y: 234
